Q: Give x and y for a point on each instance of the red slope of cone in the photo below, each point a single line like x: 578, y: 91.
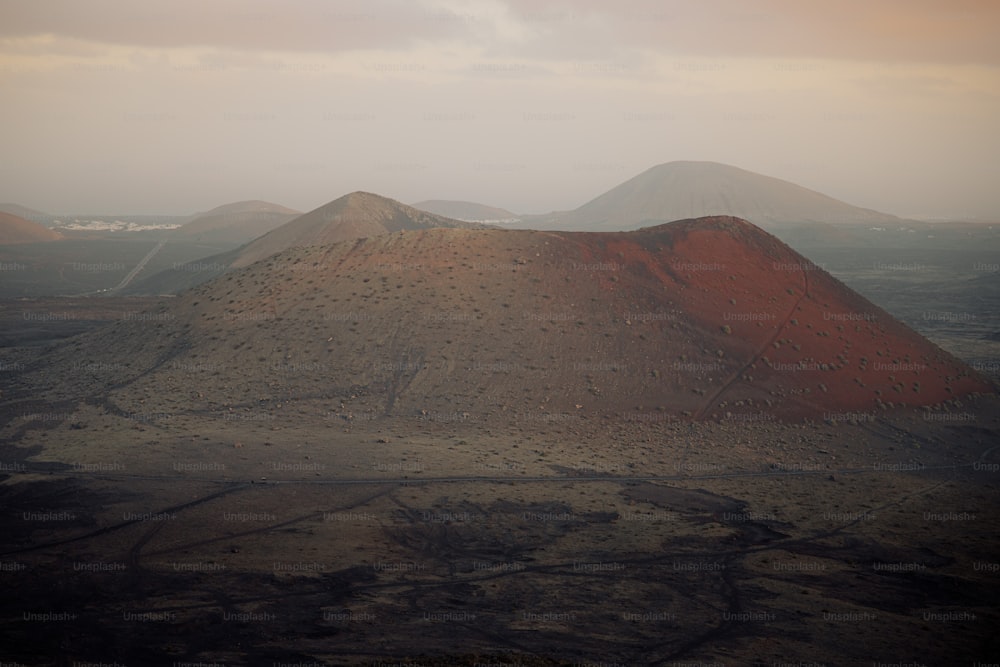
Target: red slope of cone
x: 789, y: 333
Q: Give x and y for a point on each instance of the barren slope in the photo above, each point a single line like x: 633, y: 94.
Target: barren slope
x: 695, y: 319
x: 15, y: 229
x: 357, y: 215
x: 237, y: 223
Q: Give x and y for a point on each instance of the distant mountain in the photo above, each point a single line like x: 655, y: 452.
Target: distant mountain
x: 465, y: 210
x: 353, y: 216
x: 236, y: 223
x: 23, y: 212
x: 15, y: 230
x: 680, y: 190
x: 697, y: 319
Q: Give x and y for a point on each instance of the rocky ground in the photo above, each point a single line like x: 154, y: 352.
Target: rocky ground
x: 548, y: 541
x: 448, y: 448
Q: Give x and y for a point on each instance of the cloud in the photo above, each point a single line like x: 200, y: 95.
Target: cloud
x: 918, y: 31
x: 924, y: 31
x: 184, y: 105
x: 295, y: 25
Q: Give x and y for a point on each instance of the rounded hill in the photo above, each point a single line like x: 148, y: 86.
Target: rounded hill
x: 689, y: 189
x: 15, y: 230
x: 697, y: 319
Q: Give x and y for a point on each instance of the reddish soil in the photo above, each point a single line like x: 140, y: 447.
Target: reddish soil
x: 794, y: 331
x: 15, y: 229
x: 452, y: 447
x: 706, y: 318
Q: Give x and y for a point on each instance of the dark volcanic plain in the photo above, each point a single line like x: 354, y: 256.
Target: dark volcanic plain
x: 680, y: 445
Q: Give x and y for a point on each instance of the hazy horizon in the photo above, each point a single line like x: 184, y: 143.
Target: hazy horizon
x: 112, y: 107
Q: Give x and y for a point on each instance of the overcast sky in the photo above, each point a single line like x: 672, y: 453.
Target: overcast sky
x: 117, y: 106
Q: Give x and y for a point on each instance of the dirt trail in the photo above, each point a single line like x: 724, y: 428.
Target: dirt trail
x: 138, y: 267
x: 736, y: 375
